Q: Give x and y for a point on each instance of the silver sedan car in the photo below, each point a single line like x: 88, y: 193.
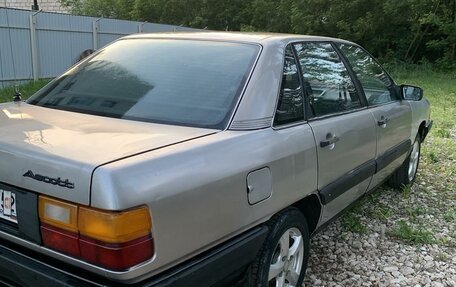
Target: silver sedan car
x: 195, y: 159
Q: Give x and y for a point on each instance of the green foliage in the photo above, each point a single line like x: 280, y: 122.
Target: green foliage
x: 28, y: 89
x: 404, y: 31
x: 414, y: 211
x: 443, y: 133
x: 412, y: 234
x: 442, y: 257
x: 121, y: 9
x: 450, y: 215
x: 353, y: 223
x: 382, y: 213
x: 433, y: 157
x: 406, y: 190
x: 352, y: 220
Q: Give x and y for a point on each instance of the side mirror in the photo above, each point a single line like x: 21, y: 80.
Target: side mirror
x: 411, y: 93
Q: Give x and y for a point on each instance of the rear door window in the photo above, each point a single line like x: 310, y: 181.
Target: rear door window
x: 326, y: 80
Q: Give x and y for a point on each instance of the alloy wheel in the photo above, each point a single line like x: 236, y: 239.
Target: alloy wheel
x: 287, y: 260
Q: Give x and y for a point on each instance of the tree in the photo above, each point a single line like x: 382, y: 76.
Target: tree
x: 120, y: 9
x: 407, y: 30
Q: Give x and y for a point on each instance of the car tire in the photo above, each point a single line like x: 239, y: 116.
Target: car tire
x: 284, y: 255
x: 406, y: 173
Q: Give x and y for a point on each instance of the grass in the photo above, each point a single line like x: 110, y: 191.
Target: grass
x: 442, y: 257
x: 411, y: 234
x: 381, y: 213
x: 433, y: 157
x: 6, y: 94
x: 352, y: 221
x: 450, y: 215
x: 414, y: 212
x: 417, y: 214
x: 406, y: 190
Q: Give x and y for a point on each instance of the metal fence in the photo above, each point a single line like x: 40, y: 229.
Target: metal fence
x: 37, y: 45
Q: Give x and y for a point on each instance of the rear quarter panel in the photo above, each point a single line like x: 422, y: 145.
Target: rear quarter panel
x: 197, y: 192
x: 421, y: 113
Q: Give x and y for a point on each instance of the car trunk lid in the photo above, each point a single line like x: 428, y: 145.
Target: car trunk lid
x: 54, y: 152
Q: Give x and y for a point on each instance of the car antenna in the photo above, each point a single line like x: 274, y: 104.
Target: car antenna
x: 17, y: 95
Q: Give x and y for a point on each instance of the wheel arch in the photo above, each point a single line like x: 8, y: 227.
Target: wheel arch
x: 311, y: 207
x: 421, y: 130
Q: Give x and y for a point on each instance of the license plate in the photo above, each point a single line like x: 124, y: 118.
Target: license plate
x: 8, y: 205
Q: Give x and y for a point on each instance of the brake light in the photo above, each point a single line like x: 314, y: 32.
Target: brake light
x: 116, y: 256
x: 113, y: 240
x: 60, y: 240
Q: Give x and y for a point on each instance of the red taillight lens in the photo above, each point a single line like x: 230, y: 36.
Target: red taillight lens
x: 116, y: 256
x: 116, y: 240
x: 60, y: 240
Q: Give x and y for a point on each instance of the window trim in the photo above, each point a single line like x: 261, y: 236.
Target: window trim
x: 393, y: 85
x: 305, y: 119
x: 308, y: 112
x: 384, y: 104
x: 288, y: 125
x: 323, y: 117
x: 356, y: 81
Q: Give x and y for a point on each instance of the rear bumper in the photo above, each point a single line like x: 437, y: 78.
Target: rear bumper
x: 22, y: 268
x: 426, y: 130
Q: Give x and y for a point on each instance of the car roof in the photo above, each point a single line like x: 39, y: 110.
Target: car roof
x: 249, y: 37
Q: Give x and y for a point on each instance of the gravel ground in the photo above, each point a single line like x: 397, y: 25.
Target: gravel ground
x: 395, y: 238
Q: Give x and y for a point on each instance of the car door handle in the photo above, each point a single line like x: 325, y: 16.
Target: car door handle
x: 329, y: 142
x: 383, y: 121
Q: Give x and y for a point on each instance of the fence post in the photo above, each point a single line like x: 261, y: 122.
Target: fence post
x: 141, y: 27
x: 95, y: 28
x: 34, y: 46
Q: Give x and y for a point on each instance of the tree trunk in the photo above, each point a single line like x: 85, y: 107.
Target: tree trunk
x: 453, y: 54
x: 418, y: 44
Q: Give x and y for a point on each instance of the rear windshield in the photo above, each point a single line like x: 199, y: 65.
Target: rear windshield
x: 182, y: 82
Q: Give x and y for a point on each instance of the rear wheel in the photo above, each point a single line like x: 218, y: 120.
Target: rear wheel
x: 282, y: 261
x: 406, y: 173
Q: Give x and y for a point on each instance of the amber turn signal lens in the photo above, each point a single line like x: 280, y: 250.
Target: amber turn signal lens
x: 58, y: 213
x: 114, y: 227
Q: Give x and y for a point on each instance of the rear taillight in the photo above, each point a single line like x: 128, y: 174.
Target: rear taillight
x: 116, y: 256
x: 113, y: 240
x: 60, y: 240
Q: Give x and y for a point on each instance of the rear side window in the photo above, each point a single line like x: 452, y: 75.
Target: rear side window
x: 182, y: 82
x: 326, y: 80
x: 376, y: 84
x: 290, y: 104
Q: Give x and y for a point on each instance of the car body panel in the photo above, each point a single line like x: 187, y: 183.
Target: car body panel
x: 393, y: 133
x: 421, y: 115
x: 355, y: 147
x: 334, y: 207
x: 200, y: 187
x: 71, y: 145
x: 356, y: 144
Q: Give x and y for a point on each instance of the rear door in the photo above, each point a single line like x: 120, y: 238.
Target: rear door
x: 392, y: 116
x: 343, y: 128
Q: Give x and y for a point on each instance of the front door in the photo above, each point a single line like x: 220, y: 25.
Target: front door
x: 392, y: 116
